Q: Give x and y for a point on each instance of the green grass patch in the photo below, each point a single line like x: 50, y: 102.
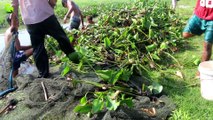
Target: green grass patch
x: 186, y: 92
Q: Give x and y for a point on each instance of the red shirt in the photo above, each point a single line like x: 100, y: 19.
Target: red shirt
x: 204, y: 9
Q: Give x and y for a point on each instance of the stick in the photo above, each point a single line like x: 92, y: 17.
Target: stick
x: 45, y: 91
x: 12, y: 102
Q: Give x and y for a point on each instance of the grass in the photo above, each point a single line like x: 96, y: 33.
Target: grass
x: 3, y: 14
x: 186, y: 92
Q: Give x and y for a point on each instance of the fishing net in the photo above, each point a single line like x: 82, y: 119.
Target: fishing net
x: 6, y: 65
x: 64, y: 96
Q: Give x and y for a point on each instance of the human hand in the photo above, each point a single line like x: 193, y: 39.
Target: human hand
x: 83, y: 27
x: 52, y: 3
x: 65, y: 20
x: 14, y: 23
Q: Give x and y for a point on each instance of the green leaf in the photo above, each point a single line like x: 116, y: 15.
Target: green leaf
x: 107, y: 42
x: 71, y: 38
x: 83, y: 109
x: 155, y: 56
x: 151, y: 34
x: 134, y: 21
x: 116, y: 76
x: 97, y: 105
x: 128, y: 102
x: 151, y: 47
x: 197, y: 61
x: 104, y: 74
x: 59, y: 53
x: 83, y: 100
x: 126, y: 75
x: 110, y: 76
x: 136, y: 36
x: 164, y: 46
x: 8, y: 8
x: 155, y: 88
x: 111, y: 104
x: 133, y: 45
x: 65, y: 71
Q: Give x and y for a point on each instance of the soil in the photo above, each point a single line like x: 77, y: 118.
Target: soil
x: 63, y: 96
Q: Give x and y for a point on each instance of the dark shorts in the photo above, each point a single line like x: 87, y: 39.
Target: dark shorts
x: 19, y: 57
x: 75, y: 22
x: 199, y: 26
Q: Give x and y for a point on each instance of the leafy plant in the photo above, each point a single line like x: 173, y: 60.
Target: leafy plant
x: 130, y: 40
x: 8, y: 8
x: 180, y: 115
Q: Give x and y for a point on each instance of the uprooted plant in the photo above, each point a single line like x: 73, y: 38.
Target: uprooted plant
x: 128, y: 41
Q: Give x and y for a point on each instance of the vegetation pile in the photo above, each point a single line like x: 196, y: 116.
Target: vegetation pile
x: 109, y: 75
x: 124, y: 44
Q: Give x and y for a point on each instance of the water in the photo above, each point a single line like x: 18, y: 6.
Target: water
x: 23, y: 37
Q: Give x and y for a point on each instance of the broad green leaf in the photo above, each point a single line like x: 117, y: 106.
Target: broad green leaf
x: 155, y: 88
x: 90, y: 82
x: 83, y: 109
x: 151, y: 47
x: 71, y: 38
x: 133, y: 45
x: 111, y: 104
x: 155, y: 56
x: 97, y: 105
x: 65, y: 71
x: 83, y: 100
x: 164, y: 46
x: 197, y: 61
x: 116, y: 76
x: 107, y: 42
x: 136, y: 36
x: 134, y: 21
x: 151, y: 34
x: 105, y: 74
x: 118, y: 51
x: 128, y: 102
x: 8, y: 8
x: 126, y: 75
x: 59, y: 53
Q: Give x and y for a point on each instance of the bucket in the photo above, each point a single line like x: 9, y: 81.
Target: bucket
x: 206, y: 79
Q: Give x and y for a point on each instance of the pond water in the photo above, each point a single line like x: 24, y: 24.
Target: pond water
x: 23, y: 37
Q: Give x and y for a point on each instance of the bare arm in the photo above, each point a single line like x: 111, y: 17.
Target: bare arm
x: 52, y: 3
x: 70, y: 10
x: 19, y: 47
x: 14, y: 16
x: 82, y: 20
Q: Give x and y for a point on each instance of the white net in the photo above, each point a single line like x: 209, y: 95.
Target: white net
x: 6, y: 59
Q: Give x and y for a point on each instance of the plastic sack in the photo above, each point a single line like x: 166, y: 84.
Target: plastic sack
x: 26, y: 68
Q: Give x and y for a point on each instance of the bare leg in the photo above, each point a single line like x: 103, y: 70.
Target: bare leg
x: 207, y: 51
x: 15, y: 72
x: 206, y: 54
x: 28, y: 52
x: 187, y: 35
x: 174, y: 4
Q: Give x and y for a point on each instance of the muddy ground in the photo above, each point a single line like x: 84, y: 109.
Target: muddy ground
x: 63, y: 97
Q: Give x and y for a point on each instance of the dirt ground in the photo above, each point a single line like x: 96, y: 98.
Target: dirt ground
x: 62, y: 97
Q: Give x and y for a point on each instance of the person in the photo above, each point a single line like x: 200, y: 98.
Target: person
x: 21, y: 52
x: 75, y: 14
x: 39, y: 18
x: 174, y: 4
x: 202, y: 22
x: 89, y: 21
